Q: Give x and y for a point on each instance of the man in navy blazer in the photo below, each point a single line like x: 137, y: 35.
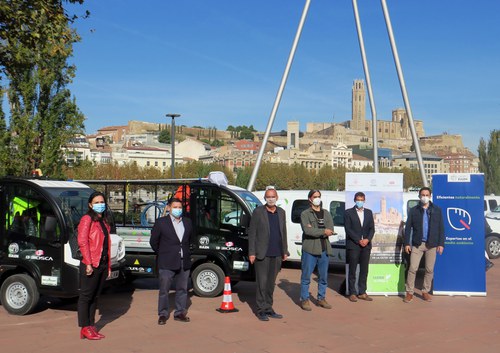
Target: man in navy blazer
x: 170, y: 238
x: 359, y: 230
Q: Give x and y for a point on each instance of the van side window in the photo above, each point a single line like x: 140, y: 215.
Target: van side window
x: 493, y: 204
x: 231, y: 212
x: 29, y: 216
x: 207, y: 208
x: 337, y: 210
x: 410, y: 204
x: 297, y: 208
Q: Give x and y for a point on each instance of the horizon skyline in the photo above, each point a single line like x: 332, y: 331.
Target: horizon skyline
x: 220, y: 65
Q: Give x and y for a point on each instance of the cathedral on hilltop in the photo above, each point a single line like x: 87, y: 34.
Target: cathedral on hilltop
x: 394, y: 134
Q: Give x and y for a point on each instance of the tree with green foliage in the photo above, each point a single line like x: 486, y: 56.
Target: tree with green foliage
x: 111, y: 171
x: 197, y: 169
x: 213, y: 143
x: 246, y: 135
x: 296, y: 176
x: 243, y: 177
x: 164, y: 136
x: 242, y: 132
x: 489, y: 162
x: 36, y: 41
x: 4, y: 138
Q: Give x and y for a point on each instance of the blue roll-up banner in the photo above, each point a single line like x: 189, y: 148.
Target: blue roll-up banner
x: 461, y: 268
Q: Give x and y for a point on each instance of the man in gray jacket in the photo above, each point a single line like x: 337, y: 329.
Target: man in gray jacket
x: 267, y: 247
x: 317, y: 226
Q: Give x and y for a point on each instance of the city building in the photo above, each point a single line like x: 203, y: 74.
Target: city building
x: 247, y: 146
x: 432, y: 163
x: 359, y: 162
x: 460, y: 162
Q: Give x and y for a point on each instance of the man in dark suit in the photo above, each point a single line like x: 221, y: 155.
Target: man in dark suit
x: 359, y: 230
x: 170, y: 239
x: 267, y: 247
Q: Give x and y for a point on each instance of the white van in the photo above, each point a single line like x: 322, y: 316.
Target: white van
x: 491, y: 202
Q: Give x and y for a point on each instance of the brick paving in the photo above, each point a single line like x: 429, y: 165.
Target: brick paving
x: 128, y: 319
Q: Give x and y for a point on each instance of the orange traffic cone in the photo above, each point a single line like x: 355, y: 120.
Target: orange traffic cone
x: 227, y: 299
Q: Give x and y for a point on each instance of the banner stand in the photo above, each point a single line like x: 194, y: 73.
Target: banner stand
x: 460, y: 270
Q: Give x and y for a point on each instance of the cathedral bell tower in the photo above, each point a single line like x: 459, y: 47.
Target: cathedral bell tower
x: 358, y: 105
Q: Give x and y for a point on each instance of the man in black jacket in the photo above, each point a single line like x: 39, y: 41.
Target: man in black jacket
x: 424, y: 234
x: 267, y: 247
x: 170, y: 238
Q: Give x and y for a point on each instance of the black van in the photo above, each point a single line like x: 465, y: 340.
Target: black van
x: 37, y: 218
x: 220, y: 214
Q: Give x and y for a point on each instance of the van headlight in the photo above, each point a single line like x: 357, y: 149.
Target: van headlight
x: 121, y: 250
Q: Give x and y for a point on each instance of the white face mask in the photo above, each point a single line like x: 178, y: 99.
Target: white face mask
x: 316, y: 201
x: 271, y: 201
x: 425, y: 199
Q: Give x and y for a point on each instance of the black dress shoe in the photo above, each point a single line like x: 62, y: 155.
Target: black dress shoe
x: 162, y: 320
x: 274, y: 315
x: 182, y: 318
x: 262, y: 317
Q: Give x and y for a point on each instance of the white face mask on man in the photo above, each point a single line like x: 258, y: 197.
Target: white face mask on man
x: 316, y: 201
x: 425, y: 199
x: 271, y: 201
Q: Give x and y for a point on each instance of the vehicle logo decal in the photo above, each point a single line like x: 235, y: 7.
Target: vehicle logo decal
x: 204, y: 240
x: 40, y: 258
x: 13, y: 248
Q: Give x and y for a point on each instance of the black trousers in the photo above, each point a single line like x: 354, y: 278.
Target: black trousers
x: 181, y: 278
x: 90, y: 289
x: 355, y: 257
x: 266, y: 271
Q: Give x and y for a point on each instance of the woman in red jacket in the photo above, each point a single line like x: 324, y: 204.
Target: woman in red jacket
x: 95, y: 245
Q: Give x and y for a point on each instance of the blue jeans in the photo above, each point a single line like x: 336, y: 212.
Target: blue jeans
x: 309, y: 262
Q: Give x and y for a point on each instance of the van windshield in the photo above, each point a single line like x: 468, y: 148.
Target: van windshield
x: 250, y: 199
x: 73, y: 202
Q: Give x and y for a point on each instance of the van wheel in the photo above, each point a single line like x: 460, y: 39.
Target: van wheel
x: 19, y: 294
x: 493, y: 246
x: 208, y: 280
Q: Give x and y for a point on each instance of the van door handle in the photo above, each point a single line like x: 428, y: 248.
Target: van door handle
x: 55, y: 244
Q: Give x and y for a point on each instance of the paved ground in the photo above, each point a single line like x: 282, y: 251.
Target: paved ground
x: 128, y: 319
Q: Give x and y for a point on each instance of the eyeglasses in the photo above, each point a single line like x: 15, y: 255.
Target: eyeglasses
x: 270, y: 187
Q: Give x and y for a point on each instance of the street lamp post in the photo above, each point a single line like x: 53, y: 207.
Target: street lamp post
x: 172, y: 140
